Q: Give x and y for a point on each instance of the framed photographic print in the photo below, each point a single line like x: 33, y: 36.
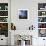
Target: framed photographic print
x: 23, y: 13
x: 13, y: 27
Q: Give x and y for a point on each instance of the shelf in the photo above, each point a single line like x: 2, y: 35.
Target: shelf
x: 41, y: 10
x: 3, y: 16
x: 41, y: 28
x: 4, y: 19
x: 42, y: 16
x: 3, y: 10
x: 3, y: 22
x: 41, y: 22
x: 42, y: 19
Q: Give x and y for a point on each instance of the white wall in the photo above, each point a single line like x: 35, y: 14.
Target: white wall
x: 24, y: 24
x: 24, y: 4
x: 32, y: 6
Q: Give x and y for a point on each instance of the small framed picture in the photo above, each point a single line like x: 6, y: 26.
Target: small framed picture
x: 13, y: 27
x: 23, y: 13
